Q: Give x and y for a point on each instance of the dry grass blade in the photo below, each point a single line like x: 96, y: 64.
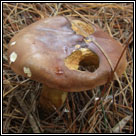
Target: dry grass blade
x: 8, y: 92
x: 29, y: 115
x: 118, y: 127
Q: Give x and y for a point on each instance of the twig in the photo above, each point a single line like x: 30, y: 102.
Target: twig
x: 32, y: 120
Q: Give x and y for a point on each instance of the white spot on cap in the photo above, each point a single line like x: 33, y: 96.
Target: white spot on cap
x: 13, y: 57
x: 13, y: 43
x: 77, y: 46
x: 74, y: 50
x: 27, y: 71
x: 83, y: 49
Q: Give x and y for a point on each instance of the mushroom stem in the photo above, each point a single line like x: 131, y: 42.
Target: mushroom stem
x: 51, y: 98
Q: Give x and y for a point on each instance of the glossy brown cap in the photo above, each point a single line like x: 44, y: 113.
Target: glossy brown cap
x: 41, y: 50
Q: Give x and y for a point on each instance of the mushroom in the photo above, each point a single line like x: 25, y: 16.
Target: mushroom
x: 66, y: 55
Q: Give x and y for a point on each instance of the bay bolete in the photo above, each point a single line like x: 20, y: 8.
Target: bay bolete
x: 63, y: 54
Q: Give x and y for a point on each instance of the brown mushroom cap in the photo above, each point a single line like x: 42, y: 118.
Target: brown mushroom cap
x: 40, y: 51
